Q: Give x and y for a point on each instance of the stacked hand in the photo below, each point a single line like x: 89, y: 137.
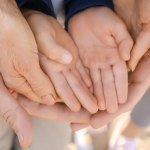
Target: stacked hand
x: 70, y: 81
x: 104, y: 45
x: 19, y: 61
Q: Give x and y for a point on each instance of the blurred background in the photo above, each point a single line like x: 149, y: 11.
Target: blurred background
x: 101, y: 139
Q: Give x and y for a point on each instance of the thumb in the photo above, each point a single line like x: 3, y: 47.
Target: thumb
x: 39, y: 82
x: 124, y: 41
x: 142, y: 45
x: 48, y: 46
x: 15, y: 116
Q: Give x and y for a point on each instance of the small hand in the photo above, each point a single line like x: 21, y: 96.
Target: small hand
x: 67, y: 79
x: 139, y: 82
x: 100, y: 36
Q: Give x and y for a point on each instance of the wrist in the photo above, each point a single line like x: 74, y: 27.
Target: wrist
x: 9, y: 7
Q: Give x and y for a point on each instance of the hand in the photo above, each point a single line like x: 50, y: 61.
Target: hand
x: 46, y: 43
x: 19, y: 61
x: 100, y: 36
x: 67, y: 79
x: 16, y: 113
x: 136, y: 15
x: 139, y: 83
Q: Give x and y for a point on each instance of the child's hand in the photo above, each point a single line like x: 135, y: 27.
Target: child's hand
x: 139, y: 83
x: 67, y: 79
x: 100, y: 37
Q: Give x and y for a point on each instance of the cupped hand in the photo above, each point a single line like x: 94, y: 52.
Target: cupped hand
x: 19, y: 61
x: 139, y: 82
x: 136, y: 15
x: 70, y: 81
x: 100, y: 37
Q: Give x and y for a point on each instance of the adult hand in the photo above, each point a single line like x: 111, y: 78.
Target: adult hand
x: 136, y: 15
x: 19, y: 62
x: 16, y: 113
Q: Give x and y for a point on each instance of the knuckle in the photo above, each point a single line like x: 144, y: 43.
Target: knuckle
x: 28, y: 65
x: 38, y: 88
x: 9, y: 115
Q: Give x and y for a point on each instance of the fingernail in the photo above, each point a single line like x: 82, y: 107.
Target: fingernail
x: 48, y: 99
x: 66, y: 59
x: 134, y: 65
x: 20, y: 137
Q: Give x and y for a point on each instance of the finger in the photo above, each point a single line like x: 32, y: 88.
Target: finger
x: 58, y: 112
x: 98, y: 88
x: 79, y: 78
x: 40, y: 84
x: 48, y: 46
x: 121, y: 80
x: 85, y: 98
x: 141, y: 46
x: 109, y: 90
x: 84, y: 74
x: 15, y: 116
x: 135, y: 94
x: 64, y: 91
x: 78, y: 126
x: 124, y: 40
x: 139, y: 84
x: 22, y: 87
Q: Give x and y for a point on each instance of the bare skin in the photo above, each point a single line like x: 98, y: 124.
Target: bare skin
x: 16, y: 113
x: 70, y: 81
x: 19, y: 61
x: 136, y: 15
x: 102, y: 38
x: 139, y: 83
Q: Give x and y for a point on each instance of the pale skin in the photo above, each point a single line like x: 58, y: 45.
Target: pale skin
x: 70, y: 81
x: 104, y: 45
x: 19, y: 61
x: 139, y: 83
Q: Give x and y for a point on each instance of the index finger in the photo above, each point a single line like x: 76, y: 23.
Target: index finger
x: 142, y: 45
